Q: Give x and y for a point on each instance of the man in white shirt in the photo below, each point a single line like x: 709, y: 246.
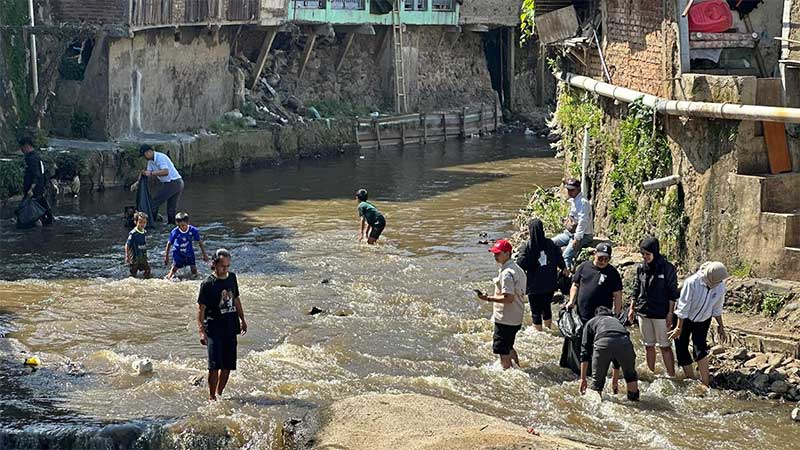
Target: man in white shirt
x: 579, y: 224
x: 159, y: 165
x: 508, y: 301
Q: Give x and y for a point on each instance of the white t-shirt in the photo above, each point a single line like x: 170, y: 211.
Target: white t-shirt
x: 511, y: 280
x: 160, y: 162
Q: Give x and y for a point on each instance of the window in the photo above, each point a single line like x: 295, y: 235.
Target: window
x: 416, y: 5
x: 347, y: 4
x: 443, y: 5
x: 309, y: 4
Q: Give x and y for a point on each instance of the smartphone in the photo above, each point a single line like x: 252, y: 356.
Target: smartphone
x: 478, y: 291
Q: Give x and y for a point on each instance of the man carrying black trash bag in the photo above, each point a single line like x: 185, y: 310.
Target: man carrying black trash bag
x: 159, y: 165
x: 33, y: 210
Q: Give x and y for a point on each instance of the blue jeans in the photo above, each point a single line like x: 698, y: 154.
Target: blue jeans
x: 564, y: 240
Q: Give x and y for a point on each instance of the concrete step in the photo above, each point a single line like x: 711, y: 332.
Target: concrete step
x: 779, y: 193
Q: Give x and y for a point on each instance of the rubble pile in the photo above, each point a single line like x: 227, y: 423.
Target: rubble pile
x: 773, y: 375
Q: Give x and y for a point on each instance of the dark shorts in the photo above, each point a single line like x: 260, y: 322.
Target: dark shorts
x: 377, y: 228
x: 221, y: 352
x: 540, y: 307
x: 504, y: 337
x: 140, y: 264
x: 180, y: 260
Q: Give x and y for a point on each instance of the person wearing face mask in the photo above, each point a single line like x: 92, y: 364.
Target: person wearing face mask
x: 541, y: 260
x: 655, y: 290
x: 508, y: 301
x: 702, y: 298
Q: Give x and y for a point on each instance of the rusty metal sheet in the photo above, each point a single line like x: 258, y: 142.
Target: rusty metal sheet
x: 557, y: 25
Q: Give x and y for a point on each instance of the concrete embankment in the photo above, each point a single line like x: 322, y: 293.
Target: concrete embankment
x: 103, y: 165
x: 411, y: 422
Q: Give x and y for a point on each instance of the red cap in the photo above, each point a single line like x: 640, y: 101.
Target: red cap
x: 501, y: 246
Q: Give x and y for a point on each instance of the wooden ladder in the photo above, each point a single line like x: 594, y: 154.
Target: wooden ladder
x: 401, y: 102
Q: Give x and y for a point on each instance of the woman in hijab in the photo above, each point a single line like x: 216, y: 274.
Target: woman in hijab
x: 541, y: 260
x: 655, y: 291
x: 702, y: 297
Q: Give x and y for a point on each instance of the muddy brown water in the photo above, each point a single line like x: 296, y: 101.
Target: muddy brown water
x: 412, y: 323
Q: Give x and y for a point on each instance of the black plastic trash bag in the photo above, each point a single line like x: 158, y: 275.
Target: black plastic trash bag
x: 571, y: 327
x: 143, y: 203
x: 28, y: 212
x: 569, y: 323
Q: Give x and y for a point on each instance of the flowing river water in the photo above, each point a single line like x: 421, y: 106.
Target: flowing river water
x: 403, y: 317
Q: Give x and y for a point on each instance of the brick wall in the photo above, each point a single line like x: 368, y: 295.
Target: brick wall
x: 638, y: 53
x: 90, y: 11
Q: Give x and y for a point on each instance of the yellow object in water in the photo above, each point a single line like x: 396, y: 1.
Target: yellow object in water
x: 33, y: 361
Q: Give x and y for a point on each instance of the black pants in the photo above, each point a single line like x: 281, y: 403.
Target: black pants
x: 540, y: 307
x: 170, y: 192
x: 616, y: 350
x: 697, y: 333
x: 47, y: 218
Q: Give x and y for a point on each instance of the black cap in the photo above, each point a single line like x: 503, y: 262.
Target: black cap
x: 572, y: 183
x: 25, y: 140
x: 362, y: 195
x: 144, y: 148
x: 603, y: 249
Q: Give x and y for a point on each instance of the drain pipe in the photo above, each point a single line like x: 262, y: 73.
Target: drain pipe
x: 34, y: 64
x: 683, y: 108
x: 585, y: 163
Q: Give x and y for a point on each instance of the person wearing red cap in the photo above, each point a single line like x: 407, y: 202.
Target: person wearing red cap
x: 509, y: 303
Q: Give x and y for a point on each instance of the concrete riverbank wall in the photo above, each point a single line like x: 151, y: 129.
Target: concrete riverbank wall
x: 107, y: 165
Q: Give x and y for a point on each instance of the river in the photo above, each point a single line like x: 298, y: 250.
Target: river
x: 402, y: 314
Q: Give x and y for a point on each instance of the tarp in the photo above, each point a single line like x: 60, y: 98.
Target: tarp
x: 28, y: 212
x: 143, y: 203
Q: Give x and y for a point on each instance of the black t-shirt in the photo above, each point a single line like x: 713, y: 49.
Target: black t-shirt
x: 218, y: 297
x: 595, y: 288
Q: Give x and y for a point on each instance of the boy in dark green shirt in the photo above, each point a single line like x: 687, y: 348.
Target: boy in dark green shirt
x: 372, y: 221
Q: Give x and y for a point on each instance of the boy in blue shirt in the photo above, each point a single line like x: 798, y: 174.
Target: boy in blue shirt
x: 181, y: 239
x: 136, y: 247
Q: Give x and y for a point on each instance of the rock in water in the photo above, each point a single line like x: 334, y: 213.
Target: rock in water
x: 314, y: 311
x: 741, y: 354
x: 796, y: 414
x: 779, y: 387
x: 142, y: 366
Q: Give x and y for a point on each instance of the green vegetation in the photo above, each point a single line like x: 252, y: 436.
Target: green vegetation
x: 526, y: 27
x: 741, y: 270
x: 11, y: 174
x: 574, y: 113
x: 633, y: 150
x: 15, y: 13
x: 772, y: 303
x: 545, y: 205
x: 80, y: 124
x: 228, y: 125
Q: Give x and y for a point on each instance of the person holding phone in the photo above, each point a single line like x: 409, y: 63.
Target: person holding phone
x: 220, y: 318
x: 508, y: 303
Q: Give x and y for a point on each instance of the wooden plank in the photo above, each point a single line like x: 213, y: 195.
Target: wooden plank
x: 722, y: 44
x: 777, y: 147
x: 262, y: 55
x: 347, y: 45
x: 424, y: 120
x: 378, y: 133
x: 312, y: 39
x: 557, y: 25
x: 696, y: 36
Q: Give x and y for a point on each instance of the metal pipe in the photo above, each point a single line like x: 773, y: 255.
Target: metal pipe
x: 34, y: 65
x: 684, y: 108
x: 660, y: 183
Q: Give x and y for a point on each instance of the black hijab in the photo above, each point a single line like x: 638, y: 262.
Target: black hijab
x: 651, y: 245
x: 536, y: 240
